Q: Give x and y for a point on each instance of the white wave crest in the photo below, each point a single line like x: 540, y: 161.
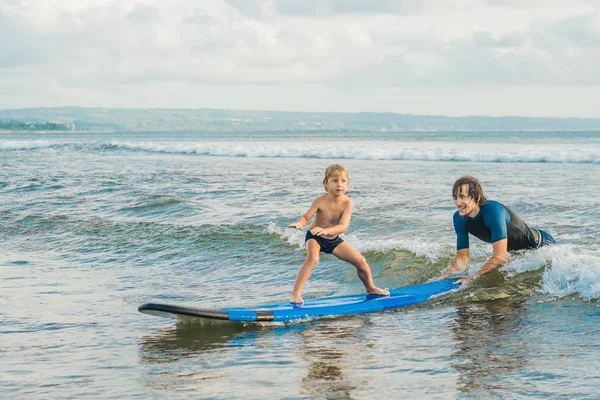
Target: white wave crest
x: 348, y: 149
x: 420, y: 248
x: 573, y: 272
x: 25, y: 144
x: 294, y: 237
x: 377, y: 150
x: 431, y: 251
x: 570, y: 270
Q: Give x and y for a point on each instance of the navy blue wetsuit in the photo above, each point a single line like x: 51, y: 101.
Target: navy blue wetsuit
x: 496, y: 222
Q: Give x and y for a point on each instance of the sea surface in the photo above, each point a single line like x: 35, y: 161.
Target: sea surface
x: 94, y: 224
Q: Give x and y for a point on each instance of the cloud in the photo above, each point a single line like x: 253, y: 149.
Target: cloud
x: 339, y: 46
x: 580, y: 31
x: 15, y: 45
x: 486, y: 39
x: 252, y: 9
x: 143, y: 13
x: 327, y: 8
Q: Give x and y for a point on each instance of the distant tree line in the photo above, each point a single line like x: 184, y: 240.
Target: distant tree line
x: 223, y: 121
x: 13, y: 125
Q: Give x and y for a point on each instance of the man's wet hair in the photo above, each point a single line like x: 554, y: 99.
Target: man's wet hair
x: 474, y: 190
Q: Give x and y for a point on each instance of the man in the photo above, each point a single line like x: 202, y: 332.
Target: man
x: 491, y: 222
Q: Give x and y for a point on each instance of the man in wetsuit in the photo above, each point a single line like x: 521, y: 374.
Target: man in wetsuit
x: 491, y: 222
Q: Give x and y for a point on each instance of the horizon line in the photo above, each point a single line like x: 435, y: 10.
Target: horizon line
x: 300, y: 112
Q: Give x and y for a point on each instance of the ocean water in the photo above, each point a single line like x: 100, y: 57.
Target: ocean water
x: 94, y: 224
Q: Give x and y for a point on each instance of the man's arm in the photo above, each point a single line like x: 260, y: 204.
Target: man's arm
x: 496, y: 218
x: 460, y: 260
x: 497, y: 259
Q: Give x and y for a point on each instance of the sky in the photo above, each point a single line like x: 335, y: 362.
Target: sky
x: 426, y: 57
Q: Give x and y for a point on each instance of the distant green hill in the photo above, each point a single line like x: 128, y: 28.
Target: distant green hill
x: 12, y: 125
x: 210, y: 120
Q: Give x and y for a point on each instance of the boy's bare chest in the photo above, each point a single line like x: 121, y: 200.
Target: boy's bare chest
x: 331, y: 213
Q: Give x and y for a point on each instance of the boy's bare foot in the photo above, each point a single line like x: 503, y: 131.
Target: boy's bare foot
x: 296, y: 299
x: 376, y: 290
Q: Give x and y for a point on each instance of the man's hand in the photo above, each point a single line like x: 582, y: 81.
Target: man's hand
x: 465, y: 281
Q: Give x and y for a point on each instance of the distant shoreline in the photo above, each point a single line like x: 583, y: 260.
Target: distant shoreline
x: 213, y: 120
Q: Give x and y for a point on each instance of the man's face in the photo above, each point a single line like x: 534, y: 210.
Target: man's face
x: 466, y: 204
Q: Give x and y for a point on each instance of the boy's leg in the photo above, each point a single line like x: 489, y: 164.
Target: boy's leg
x: 312, y: 259
x: 347, y: 253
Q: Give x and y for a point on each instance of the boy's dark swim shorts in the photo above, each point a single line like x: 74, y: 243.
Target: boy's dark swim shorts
x: 327, y: 245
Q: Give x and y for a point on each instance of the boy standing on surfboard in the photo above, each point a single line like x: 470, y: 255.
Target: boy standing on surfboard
x: 333, y: 211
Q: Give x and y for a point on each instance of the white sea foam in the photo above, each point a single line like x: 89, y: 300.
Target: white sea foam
x: 420, y: 248
x: 294, y: 237
x: 429, y: 250
x: 362, y: 150
x: 26, y: 144
x: 573, y: 272
x: 569, y: 270
x: 377, y: 150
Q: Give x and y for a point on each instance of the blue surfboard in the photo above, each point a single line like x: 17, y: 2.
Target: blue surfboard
x: 311, y: 308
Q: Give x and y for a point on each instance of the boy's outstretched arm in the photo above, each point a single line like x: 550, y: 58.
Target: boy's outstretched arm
x: 303, y: 220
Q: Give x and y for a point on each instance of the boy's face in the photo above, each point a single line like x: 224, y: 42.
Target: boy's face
x: 337, y: 184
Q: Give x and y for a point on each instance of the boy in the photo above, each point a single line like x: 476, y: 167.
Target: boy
x: 333, y: 211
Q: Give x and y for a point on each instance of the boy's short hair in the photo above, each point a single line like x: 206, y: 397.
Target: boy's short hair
x: 475, y: 190
x: 334, y: 170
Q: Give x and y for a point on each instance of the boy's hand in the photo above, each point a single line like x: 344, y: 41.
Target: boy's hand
x: 294, y: 225
x: 318, y: 231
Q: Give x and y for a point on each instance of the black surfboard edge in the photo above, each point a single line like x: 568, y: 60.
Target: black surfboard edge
x: 215, y: 314
x: 147, y: 308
